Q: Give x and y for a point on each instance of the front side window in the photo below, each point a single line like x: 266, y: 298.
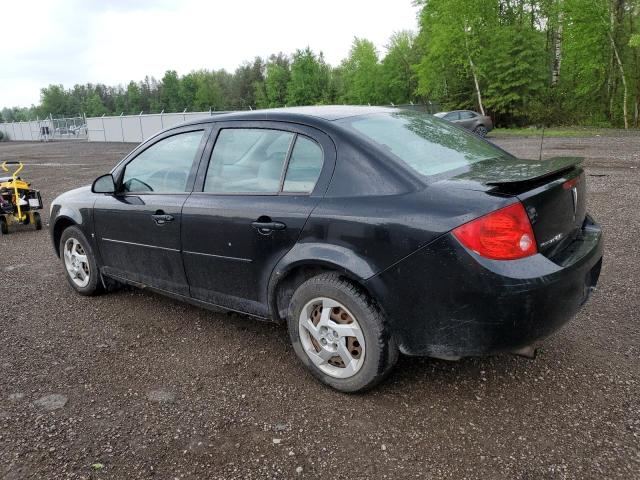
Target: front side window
x: 452, y: 116
x: 248, y: 160
x: 467, y: 115
x: 304, y: 166
x: 425, y: 143
x: 163, y: 167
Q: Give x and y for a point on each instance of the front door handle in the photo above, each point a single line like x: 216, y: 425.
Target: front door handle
x: 265, y: 225
x: 161, y: 218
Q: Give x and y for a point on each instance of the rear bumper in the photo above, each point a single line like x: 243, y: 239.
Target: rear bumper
x: 444, y: 300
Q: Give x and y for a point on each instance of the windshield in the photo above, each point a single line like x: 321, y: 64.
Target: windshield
x: 428, y: 145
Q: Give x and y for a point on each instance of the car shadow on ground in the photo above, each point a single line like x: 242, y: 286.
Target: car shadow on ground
x: 413, y: 373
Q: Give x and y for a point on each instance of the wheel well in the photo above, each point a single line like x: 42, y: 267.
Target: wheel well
x: 61, y: 225
x: 286, y: 287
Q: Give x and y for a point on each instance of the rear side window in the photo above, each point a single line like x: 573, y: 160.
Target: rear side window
x: 163, y: 167
x: 423, y: 142
x: 304, y: 166
x: 248, y: 160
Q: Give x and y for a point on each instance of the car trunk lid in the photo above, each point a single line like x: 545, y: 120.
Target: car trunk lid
x: 552, y: 191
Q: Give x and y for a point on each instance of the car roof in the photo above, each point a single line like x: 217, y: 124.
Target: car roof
x: 328, y: 113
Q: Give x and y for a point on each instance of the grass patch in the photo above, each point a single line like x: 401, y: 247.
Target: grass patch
x: 558, y: 132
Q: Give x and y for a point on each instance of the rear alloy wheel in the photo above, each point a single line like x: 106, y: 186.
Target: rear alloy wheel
x: 331, y: 337
x: 481, y: 131
x: 79, y: 262
x: 339, y: 334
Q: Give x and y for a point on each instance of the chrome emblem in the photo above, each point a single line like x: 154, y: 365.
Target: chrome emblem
x: 553, y: 239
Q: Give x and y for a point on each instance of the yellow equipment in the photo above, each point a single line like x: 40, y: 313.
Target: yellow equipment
x: 18, y: 202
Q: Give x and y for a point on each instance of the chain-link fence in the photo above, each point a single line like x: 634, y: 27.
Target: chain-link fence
x: 69, y: 128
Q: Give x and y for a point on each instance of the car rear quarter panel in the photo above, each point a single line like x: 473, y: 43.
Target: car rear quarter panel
x: 379, y: 231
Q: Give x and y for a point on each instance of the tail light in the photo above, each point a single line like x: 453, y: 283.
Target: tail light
x: 505, y: 234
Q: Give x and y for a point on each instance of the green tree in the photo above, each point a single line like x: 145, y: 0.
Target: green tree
x: 277, y: 76
x: 246, y: 80
x: 134, y: 98
x: 54, y: 100
x: 208, y: 93
x: 399, y: 82
x: 170, y: 92
x: 517, y: 77
x: 189, y: 89
x: 361, y: 74
x: 309, y: 79
x: 94, y: 106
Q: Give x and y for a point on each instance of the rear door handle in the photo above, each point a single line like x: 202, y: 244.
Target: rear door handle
x: 161, y: 218
x: 265, y: 225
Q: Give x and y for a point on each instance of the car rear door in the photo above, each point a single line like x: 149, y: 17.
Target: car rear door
x: 467, y: 120
x: 138, y: 228
x: 252, y: 198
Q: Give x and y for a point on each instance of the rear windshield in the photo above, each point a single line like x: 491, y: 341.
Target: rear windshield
x: 428, y: 145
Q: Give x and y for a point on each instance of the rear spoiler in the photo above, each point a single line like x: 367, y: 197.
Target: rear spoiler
x: 531, y: 174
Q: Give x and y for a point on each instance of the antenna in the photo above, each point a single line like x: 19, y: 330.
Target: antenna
x: 541, y: 142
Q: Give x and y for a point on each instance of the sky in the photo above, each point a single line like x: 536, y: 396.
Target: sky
x: 72, y: 42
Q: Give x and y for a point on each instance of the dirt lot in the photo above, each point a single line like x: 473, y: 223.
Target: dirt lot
x: 133, y: 385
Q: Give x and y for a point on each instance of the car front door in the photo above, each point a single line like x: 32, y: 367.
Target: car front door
x: 452, y: 117
x: 252, y: 198
x: 138, y: 228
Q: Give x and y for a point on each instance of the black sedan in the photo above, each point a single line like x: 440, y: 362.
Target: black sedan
x: 369, y: 231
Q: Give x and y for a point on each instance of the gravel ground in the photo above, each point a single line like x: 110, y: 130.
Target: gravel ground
x: 134, y: 385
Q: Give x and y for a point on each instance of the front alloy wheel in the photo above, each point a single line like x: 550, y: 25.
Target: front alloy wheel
x: 76, y: 263
x: 79, y: 261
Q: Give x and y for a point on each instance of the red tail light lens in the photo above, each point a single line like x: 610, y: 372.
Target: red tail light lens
x: 505, y: 234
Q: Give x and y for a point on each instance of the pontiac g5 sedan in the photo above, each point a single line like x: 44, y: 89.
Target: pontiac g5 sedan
x: 369, y: 231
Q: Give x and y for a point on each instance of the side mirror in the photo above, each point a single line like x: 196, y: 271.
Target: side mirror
x: 104, y: 184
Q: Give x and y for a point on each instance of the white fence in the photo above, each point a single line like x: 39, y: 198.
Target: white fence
x: 136, y: 128
x: 25, y: 130
x: 46, y: 129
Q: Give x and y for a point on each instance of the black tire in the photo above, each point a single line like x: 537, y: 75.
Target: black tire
x: 381, y: 352
x: 4, y: 227
x: 481, y: 131
x: 37, y: 221
x: 94, y: 285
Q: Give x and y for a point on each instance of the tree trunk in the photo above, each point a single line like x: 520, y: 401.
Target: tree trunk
x: 611, y: 86
x: 621, y: 68
x: 557, y: 48
x: 475, y: 81
x: 473, y: 72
